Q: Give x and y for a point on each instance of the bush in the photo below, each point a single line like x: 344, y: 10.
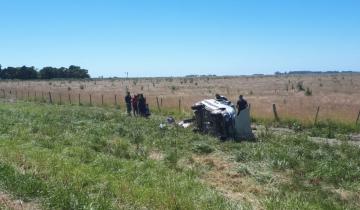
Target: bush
x: 300, y: 86
x: 308, y: 92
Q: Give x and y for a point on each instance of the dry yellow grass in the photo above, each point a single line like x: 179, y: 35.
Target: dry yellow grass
x: 337, y: 95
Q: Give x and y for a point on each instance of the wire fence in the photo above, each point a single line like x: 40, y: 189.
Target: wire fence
x: 178, y: 104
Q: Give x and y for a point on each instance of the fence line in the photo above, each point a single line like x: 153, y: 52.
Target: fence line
x: 154, y: 101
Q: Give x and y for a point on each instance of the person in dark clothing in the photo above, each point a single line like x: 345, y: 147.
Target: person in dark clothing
x: 128, y: 103
x: 241, y: 104
x: 134, y: 103
x: 142, y: 105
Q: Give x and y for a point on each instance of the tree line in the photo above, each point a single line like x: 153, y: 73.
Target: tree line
x: 25, y: 73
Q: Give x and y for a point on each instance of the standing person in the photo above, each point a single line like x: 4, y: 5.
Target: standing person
x: 128, y: 103
x: 241, y: 104
x: 142, y: 105
x: 134, y: 103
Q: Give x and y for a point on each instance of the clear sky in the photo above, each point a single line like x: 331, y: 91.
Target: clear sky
x: 181, y: 37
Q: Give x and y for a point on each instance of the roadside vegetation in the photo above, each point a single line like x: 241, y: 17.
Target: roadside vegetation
x: 79, y: 157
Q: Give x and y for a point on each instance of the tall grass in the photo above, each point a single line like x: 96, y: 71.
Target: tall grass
x: 80, y: 158
x: 71, y: 157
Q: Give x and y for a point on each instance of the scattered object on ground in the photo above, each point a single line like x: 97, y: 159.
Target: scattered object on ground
x: 162, y: 125
x: 218, y: 118
x: 186, y: 123
x: 355, y: 137
x: 170, y: 120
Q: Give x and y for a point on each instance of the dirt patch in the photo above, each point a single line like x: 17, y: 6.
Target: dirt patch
x: 332, y: 141
x: 346, y: 195
x: 156, y: 155
x: 9, y: 203
x: 224, y: 177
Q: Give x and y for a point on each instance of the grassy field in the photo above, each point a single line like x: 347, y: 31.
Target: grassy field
x: 296, y: 96
x: 80, y: 157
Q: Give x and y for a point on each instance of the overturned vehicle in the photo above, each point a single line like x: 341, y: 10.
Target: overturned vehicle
x: 219, y: 118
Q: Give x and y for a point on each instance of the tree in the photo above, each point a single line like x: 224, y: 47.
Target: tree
x: 25, y: 72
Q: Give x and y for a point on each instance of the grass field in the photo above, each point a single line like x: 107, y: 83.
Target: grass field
x: 338, y: 95
x: 80, y: 157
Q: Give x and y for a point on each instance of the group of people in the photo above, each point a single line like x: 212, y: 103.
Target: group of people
x: 137, y: 104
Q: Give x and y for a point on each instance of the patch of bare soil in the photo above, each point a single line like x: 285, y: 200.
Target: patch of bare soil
x: 333, y: 141
x: 223, y: 176
x: 9, y: 203
x: 348, y: 195
x: 156, y: 155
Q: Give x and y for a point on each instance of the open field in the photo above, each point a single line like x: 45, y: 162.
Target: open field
x: 80, y: 157
x: 337, y: 95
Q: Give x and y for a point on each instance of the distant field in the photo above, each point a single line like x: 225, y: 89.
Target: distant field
x: 337, y: 95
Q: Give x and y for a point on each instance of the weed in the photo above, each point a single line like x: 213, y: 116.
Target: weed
x: 202, y: 148
x: 243, y: 170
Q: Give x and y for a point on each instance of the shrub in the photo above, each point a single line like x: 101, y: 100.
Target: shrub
x: 300, y: 86
x: 308, y: 92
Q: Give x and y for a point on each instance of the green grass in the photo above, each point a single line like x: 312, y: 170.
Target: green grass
x: 82, y: 158
x: 71, y: 157
x: 325, y: 128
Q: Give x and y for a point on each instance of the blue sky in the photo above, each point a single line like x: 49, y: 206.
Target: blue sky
x: 181, y: 37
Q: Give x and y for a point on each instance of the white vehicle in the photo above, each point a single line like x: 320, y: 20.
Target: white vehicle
x: 219, y: 118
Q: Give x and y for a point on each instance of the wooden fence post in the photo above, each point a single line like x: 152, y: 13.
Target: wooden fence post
x: 317, y: 115
x: 102, y: 100
x: 79, y: 99
x: 276, y: 116
x: 60, y: 99
x: 90, y: 99
x: 161, y: 102
x: 115, y: 100
x: 28, y: 95
x: 69, y: 96
x: 157, y: 102
x: 358, y: 117
x: 50, y: 98
x: 179, y: 104
x: 249, y: 107
x: 35, y: 96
